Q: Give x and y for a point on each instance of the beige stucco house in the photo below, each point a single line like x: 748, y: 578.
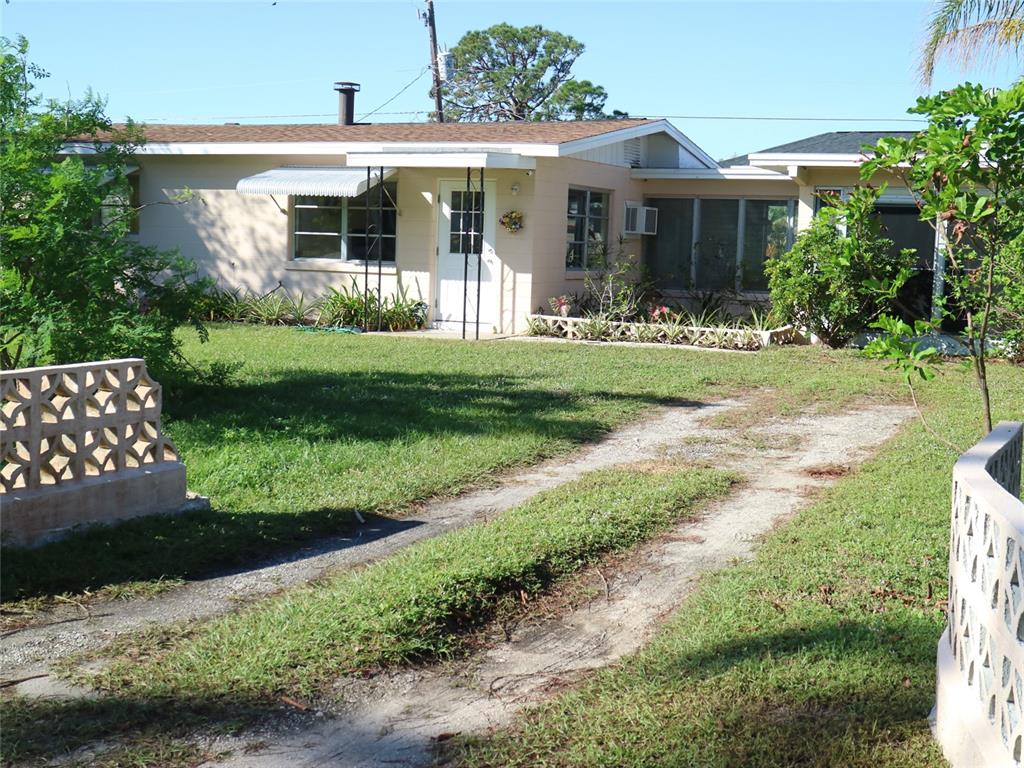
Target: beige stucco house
x: 288, y: 205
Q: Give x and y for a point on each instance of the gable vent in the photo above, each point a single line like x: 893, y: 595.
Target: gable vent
x: 632, y: 150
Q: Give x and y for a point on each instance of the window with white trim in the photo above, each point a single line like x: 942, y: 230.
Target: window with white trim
x: 586, y: 228
x: 345, y: 227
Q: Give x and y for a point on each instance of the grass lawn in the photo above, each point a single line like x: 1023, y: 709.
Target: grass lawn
x: 821, y: 651
x: 319, y: 425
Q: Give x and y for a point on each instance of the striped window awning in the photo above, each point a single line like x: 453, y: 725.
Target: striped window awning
x: 326, y: 181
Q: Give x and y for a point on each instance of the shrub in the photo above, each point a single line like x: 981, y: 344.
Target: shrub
x: 73, y: 285
x: 835, y: 283
x: 345, y: 306
x: 618, y: 288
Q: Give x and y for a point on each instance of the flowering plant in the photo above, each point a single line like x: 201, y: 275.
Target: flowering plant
x: 658, y: 313
x: 512, y: 221
x: 560, y: 305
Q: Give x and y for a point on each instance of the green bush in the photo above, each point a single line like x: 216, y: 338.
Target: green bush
x: 833, y: 282
x: 73, y: 285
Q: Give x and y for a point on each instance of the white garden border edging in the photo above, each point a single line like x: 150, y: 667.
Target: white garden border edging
x: 577, y: 328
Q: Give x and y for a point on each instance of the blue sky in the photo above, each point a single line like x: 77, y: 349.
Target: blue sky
x: 217, y: 62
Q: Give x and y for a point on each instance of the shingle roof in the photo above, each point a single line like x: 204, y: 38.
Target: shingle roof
x: 524, y: 132
x: 836, y: 142
x: 832, y: 143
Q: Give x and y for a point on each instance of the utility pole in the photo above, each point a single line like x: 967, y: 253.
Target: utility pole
x: 438, y: 108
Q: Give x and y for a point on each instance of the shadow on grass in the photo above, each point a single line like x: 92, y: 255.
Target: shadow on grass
x: 389, y: 406
x: 849, y: 693
x: 354, y: 413
x: 778, y: 723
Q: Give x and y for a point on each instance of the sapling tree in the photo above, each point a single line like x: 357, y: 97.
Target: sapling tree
x: 966, y: 171
x: 74, y: 285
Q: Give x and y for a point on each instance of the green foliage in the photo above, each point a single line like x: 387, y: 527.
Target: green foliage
x: 972, y: 31
x: 841, y: 273
x: 616, y: 287
x: 340, y: 307
x: 576, y: 100
x: 74, y: 286
x: 519, y: 73
x: 901, y: 344
x: 966, y: 170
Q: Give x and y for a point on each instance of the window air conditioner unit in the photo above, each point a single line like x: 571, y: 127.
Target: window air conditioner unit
x: 640, y: 220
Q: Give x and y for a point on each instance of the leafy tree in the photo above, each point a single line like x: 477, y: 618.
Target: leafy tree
x: 966, y: 170
x: 576, y: 100
x: 841, y: 273
x: 74, y: 286
x: 519, y: 73
x: 970, y: 30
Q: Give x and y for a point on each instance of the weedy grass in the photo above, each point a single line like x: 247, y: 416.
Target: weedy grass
x: 232, y: 671
x: 317, y: 426
x: 414, y: 605
x: 820, y: 652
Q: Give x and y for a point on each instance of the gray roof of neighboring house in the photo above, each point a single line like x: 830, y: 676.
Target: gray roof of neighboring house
x: 832, y: 143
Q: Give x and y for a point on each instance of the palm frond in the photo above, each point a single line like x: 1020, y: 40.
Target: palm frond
x: 971, y: 31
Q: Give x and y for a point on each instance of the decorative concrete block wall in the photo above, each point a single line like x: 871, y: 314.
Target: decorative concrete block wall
x: 979, y: 710
x: 82, y: 444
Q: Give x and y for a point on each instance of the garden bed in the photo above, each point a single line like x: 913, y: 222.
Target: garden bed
x: 660, y: 332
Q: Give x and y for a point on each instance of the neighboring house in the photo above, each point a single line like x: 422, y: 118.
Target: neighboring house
x: 288, y: 205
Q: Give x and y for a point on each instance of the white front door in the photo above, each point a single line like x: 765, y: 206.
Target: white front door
x: 459, y: 229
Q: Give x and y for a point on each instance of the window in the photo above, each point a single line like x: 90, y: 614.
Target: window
x: 715, y: 244
x: 668, y: 252
x: 586, y: 228
x: 766, y: 234
x: 116, y: 205
x: 345, y: 228
x: 466, y: 231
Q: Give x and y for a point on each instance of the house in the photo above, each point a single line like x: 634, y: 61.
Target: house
x: 299, y: 206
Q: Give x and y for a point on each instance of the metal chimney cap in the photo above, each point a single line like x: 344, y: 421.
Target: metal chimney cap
x: 346, y: 86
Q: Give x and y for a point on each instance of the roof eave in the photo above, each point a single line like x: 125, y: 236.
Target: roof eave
x: 806, y: 159
x: 327, y: 148
x: 745, y: 173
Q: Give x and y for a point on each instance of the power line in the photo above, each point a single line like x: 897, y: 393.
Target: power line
x: 377, y: 111
x: 800, y: 119
x: 409, y: 85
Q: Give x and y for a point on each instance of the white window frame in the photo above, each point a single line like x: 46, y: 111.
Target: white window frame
x: 344, y: 205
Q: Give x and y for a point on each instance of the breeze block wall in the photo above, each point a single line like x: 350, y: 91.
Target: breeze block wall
x: 980, y: 682
x: 82, y: 444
